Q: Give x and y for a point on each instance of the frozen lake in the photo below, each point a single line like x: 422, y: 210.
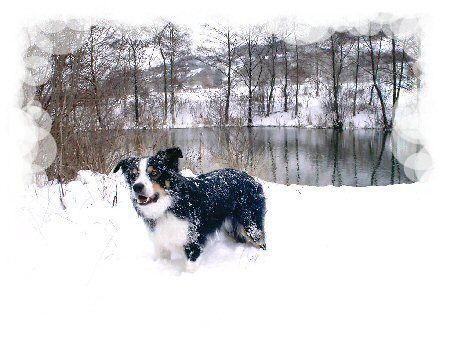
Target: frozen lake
x: 285, y: 155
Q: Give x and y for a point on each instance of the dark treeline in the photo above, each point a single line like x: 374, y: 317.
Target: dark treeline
x: 155, y: 76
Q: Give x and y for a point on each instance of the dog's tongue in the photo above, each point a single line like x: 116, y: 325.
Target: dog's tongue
x: 145, y: 200
x: 142, y: 199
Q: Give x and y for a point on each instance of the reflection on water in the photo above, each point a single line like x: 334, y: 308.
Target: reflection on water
x: 285, y: 155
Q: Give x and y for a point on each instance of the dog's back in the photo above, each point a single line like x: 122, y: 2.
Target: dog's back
x: 232, y: 198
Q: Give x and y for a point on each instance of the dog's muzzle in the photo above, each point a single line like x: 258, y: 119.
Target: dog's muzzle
x: 144, y: 200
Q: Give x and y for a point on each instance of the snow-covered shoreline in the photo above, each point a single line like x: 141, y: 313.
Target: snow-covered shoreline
x: 280, y: 119
x: 92, y: 262
x: 195, y: 109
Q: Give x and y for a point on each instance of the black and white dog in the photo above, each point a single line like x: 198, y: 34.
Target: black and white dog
x: 182, y: 212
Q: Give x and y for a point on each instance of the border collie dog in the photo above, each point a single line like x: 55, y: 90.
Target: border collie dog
x: 183, y: 212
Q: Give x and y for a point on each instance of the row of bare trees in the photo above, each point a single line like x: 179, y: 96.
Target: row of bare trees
x: 92, y: 87
x: 142, y: 69
x: 260, y: 61
x: 374, y: 60
x: 125, y: 77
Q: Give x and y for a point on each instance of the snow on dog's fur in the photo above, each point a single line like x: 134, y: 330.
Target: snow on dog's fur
x: 182, y: 213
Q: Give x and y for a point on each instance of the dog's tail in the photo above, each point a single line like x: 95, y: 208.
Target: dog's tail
x: 254, y: 237
x: 240, y: 234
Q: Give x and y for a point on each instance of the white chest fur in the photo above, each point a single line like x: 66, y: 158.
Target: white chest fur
x: 170, y: 233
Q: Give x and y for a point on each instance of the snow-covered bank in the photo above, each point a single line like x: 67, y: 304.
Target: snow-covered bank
x: 330, y: 252
x: 201, y: 107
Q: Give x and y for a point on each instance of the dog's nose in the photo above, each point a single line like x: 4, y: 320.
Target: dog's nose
x: 138, y: 187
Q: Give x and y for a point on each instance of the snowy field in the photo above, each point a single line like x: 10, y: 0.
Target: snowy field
x: 83, y: 263
x: 86, y: 217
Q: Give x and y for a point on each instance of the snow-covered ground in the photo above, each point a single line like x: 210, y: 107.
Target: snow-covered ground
x: 82, y: 267
x: 86, y: 217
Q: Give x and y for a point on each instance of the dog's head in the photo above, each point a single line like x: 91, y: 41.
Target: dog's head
x: 151, y: 179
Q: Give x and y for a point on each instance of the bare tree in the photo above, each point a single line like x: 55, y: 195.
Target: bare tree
x: 285, y: 49
x: 299, y: 73
x: 99, y: 58
x: 377, y: 68
x: 375, y: 79
x: 251, y: 67
x: 339, y: 50
x: 397, y: 74
x: 219, y: 50
x: 316, y: 67
x: 356, y: 74
x: 135, y: 43
x: 63, y: 102
x: 160, y: 42
x: 273, y: 45
x: 173, y: 42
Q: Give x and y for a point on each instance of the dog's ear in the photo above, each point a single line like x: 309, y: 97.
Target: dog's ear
x: 123, y: 164
x: 171, y: 157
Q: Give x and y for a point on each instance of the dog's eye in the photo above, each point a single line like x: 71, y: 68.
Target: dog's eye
x: 153, y: 172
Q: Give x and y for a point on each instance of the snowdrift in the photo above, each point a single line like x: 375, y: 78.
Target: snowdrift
x: 83, y: 267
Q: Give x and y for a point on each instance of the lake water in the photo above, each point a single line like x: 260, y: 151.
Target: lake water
x: 285, y: 155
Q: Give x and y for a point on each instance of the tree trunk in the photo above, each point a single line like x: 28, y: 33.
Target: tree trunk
x: 356, y: 78
x: 270, y: 96
x: 250, y: 89
x: 376, y: 86
x: 297, y: 78
x: 172, y: 77
x: 164, y: 85
x: 250, y: 103
x: 376, y: 69
x: 135, y: 81
x: 402, y: 65
x: 317, y: 70
x: 386, y: 124
x: 94, y: 78
x: 394, y: 74
x: 273, y: 57
x: 172, y: 90
x: 336, y: 120
x: 400, y: 78
x: 285, y: 93
x: 271, y: 87
x: 227, y: 98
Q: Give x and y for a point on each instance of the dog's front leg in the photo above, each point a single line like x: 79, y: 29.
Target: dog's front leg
x: 161, y: 253
x: 192, y: 251
x: 192, y: 266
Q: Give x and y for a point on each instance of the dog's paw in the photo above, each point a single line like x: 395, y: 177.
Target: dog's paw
x: 162, y: 254
x: 192, y: 266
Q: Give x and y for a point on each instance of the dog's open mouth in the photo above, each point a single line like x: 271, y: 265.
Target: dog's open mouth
x: 144, y: 200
